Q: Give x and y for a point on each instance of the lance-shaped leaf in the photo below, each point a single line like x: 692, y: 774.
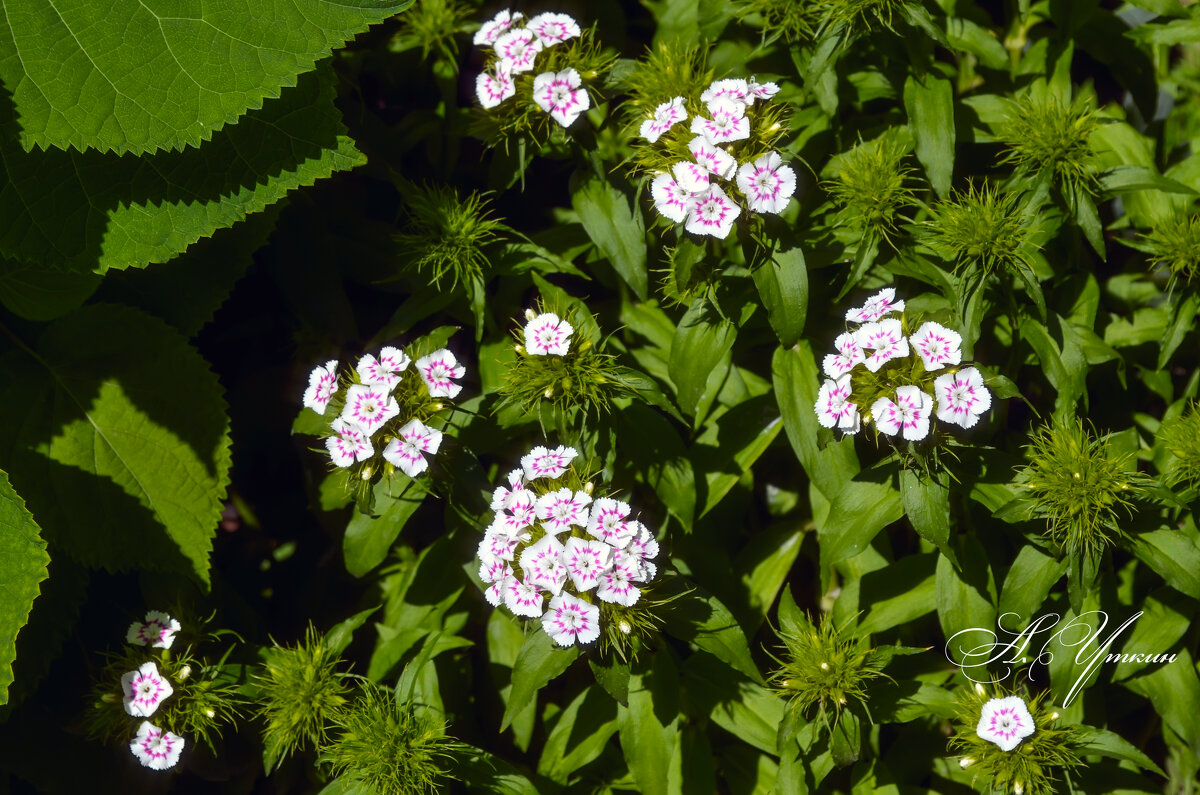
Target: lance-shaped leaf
x: 23, y: 562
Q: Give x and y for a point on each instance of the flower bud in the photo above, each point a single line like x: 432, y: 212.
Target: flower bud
x: 184, y: 673
x: 530, y: 314
x: 549, y: 393
x: 366, y: 473
x: 824, y: 666
x: 1019, y: 789
x: 210, y: 713
x: 979, y: 689
x: 966, y: 762
x: 625, y: 627
x: 588, y: 488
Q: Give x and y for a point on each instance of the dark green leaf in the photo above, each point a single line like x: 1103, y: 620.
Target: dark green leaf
x: 617, y: 229
x: 23, y: 562
x: 929, y: 101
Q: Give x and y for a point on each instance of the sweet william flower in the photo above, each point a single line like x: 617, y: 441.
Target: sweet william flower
x: 156, y: 748
x: 143, y: 690
x: 502, y: 498
x: 607, y: 522
x: 1005, y: 722
x: 551, y: 28
x: 849, y: 355
x: 962, y: 397
x: 439, y: 370
x: 730, y: 88
x: 384, y: 371
x: 523, y: 599
x: 518, y: 49
x: 322, y: 383
x: 616, y: 585
x: 407, y: 451
x: 570, y: 620
x: 728, y: 122
x: 542, y: 564
x: 692, y: 177
x: 558, y: 510
x: 763, y: 91
x: 369, y: 406
x: 666, y: 116
x: 713, y: 214
x: 547, y: 335
x: 834, y: 409
x: 348, y: 444
x: 643, y: 544
x: 495, y: 27
x: 492, y: 89
x: 907, y: 415
x: 542, y: 462
x: 885, y: 340
x: 560, y: 95
x: 712, y: 158
x: 936, y: 345
x: 158, y: 632
x: 585, y: 560
x: 878, y: 305
x: 767, y: 184
x: 671, y: 200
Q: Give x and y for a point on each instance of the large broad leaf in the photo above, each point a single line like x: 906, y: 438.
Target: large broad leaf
x: 649, y: 725
x: 538, y: 662
x: 116, y: 435
x: 142, y: 75
x: 92, y: 211
x: 929, y: 101
x: 616, y: 228
x: 701, y: 340
x: 23, y: 562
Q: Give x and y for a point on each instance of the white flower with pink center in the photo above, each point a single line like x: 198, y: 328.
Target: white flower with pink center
x: 1005, y: 722
x: 369, y: 406
x: 585, y: 560
x: 492, y: 29
x: 907, y: 415
x: 502, y: 497
x: 407, y: 451
x: 834, y: 409
x: 763, y: 91
x: 492, y: 89
x: 158, y: 632
x: 518, y: 49
x: 522, y: 511
x: 878, y: 305
x: 850, y: 354
x: 439, y: 370
x: 640, y: 569
x: 349, y: 443
x: 671, y: 200
x: 728, y: 122
x: 561, y: 509
x: 616, y: 586
x: 559, y: 94
x: 545, y: 463
x: 570, y: 620
x: 495, y: 592
x: 547, y: 335
x: 767, y: 184
x: 156, y: 748
x: 143, y: 690
x: 492, y: 569
x: 713, y: 158
x: 607, y: 522
x: 885, y: 340
x: 936, y: 345
x: 384, y: 371
x: 962, y: 397
x: 542, y: 564
x: 642, y: 544
x: 692, y: 177
x: 322, y: 383
x: 551, y: 28
x: 713, y: 214
x: 666, y: 116
x: 732, y: 88
x: 523, y: 599
x: 500, y: 542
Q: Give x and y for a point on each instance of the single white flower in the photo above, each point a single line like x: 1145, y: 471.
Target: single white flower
x: 728, y: 122
x: 585, y: 560
x: 616, y: 585
x: 558, y: 510
x: 767, y: 184
x: 666, y: 116
x: 492, y: 29
x: 559, y: 94
x: 878, y: 305
x: 908, y: 415
x: 1005, y: 722
x: 551, y: 28
x: 322, y: 383
x: 492, y: 569
x: 762, y: 91
x: 521, y: 513
x: 885, y: 340
x: 156, y: 748
x: 350, y: 443
x: 500, y: 541
x: 570, y: 620
x: 713, y: 158
x: 850, y: 354
x: 158, y: 632
x: 494, y: 594
x: 607, y: 522
x: 834, y: 409
x: 642, y: 544
x: 438, y: 370
x: 542, y: 564
x: 407, y: 450
x: 713, y: 214
x: 518, y: 49
x: 547, y: 335
x: 962, y: 397
x: 384, y: 371
x: 936, y: 345
x: 671, y: 200
x: 639, y: 568
x: 502, y: 497
x: 692, y: 177
x: 369, y: 406
x: 545, y: 463
x: 143, y: 690
x: 523, y: 599
x: 734, y: 89
x: 492, y: 89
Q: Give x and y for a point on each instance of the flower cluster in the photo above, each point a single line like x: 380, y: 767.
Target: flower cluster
x: 550, y: 537
x: 384, y: 393
x: 143, y: 690
x: 875, y: 369
x: 516, y: 47
x: 709, y: 150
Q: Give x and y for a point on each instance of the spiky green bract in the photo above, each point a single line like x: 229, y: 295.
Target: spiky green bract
x: 1080, y: 486
x: 872, y: 185
x: 823, y: 669
x: 387, y: 747
x: 667, y: 70
x: 300, y: 690
x: 793, y: 20
x: 980, y: 229
x: 1040, y: 132
x: 860, y: 16
x: 1181, y: 436
x: 1174, y: 245
x: 627, y: 630
x: 431, y: 25
x: 1038, y: 766
x: 447, y: 236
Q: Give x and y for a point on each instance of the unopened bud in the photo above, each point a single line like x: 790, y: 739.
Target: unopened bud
x: 979, y: 689
x: 1019, y: 789
x: 549, y: 393
x: 530, y: 314
x: 588, y: 488
x: 519, y: 348
x: 1053, y: 716
x: 437, y: 406
x: 625, y: 626
x: 210, y: 712
x: 966, y: 762
x: 184, y: 673
x: 824, y: 666
x: 366, y: 473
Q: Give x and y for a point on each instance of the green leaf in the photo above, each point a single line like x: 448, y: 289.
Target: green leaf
x: 745, y: 709
x: 339, y: 635
x: 860, y: 510
x: 1027, y: 584
x: 1114, y: 746
x: 891, y: 611
x: 649, y: 725
x: 699, y: 617
x: 1129, y: 178
x: 118, y: 440
x: 1173, y: 555
x: 782, y: 283
x: 1174, y: 690
x: 965, y: 35
x: 538, y: 662
x: 700, y: 342
x: 927, y: 505
x: 1183, y: 317
x: 38, y: 293
x: 1166, y: 616
x: 615, y: 225
x: 142, y: 75
x: 929, y: 102
x: 579, y: 735
x: 369, y: 538
x: 92, y: 211
x: 966, y: 597
x: 23, y: 562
